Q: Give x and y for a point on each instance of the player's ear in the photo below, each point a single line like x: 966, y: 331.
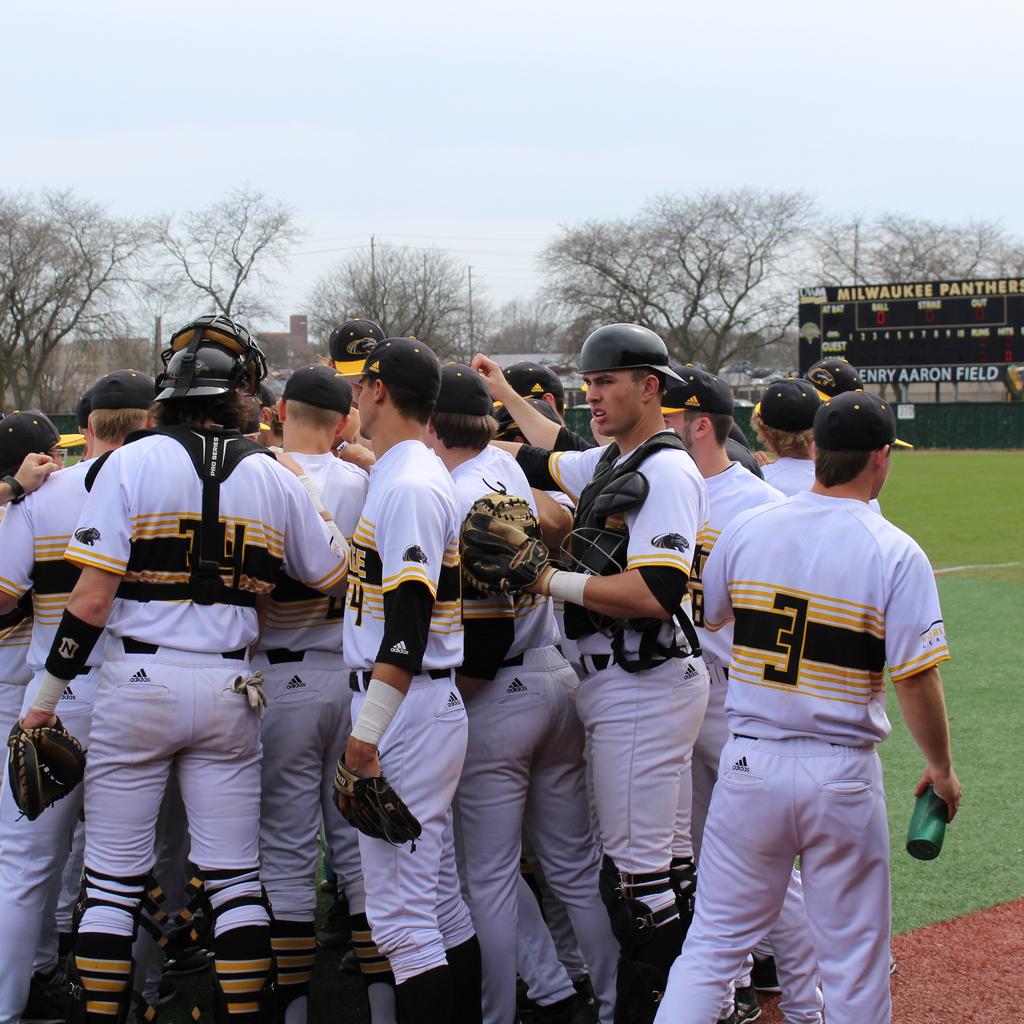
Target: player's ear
x: 282, y: 411
x: 339, y: 430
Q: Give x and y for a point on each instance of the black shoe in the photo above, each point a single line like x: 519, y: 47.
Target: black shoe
x: 763, y: 976
x: 328, y: 888
x: 335, y: 931
x: 166, y: 992
x: 584, y: 989
x: 45, y: 1001
x: 187, y: 961
x: 747, y: 1007
x: 349, y: 963
x: 562, y: 1012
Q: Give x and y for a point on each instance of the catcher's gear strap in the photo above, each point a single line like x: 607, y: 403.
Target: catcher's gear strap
x: 380, y: 706
x: 215, y: 454
x: 231, y: 889
x: 407, y: 612
x: 72, y: 644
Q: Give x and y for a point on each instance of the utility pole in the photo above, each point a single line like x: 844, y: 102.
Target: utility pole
x: 472, y: 342
x: 373, y: 278
x: 856, y: 252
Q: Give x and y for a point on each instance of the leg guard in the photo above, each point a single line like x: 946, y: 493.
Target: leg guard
x: 100, y: 979
x: 683, y: 876
x: 241, y: 976
x: 294, y: 946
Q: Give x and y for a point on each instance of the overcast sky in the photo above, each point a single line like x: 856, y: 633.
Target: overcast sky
x: 483, y: 126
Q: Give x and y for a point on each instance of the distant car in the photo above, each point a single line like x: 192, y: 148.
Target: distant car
x: 759, y: 372
x: 743, y: 366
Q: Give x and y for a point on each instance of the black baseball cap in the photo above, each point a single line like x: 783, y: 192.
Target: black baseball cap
x: 507, y: 426
x: 855, y: 421
x: 267, y: 398
x: 405, y: 363
x: 463, y: 391
x: 22, y: 433
x: 122, y: 389
x: 322, y: 386
x: 697, y: 390
x: 834, y: 376
x: 789, y: 405
x: 82, y: 410
x: 532, y: 380
x: 352, y: 342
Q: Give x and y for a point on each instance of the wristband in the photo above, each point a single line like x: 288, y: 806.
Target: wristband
x: 50, y: 690
x: 380, y: 706
x: 17, y: 491
x: 72, y: 645
x: 569, y: 586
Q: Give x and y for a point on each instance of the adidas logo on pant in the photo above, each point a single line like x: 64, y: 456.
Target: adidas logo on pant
x: 453, y: 700
x: 139, y: 677
x: 516, y: 686
x: 400, y: 648
x: 295, y: 683
x: 691, y: 671
x: 740, y: 766
x: 68, y: 694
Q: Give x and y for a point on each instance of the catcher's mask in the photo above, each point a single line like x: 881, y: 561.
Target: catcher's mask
x: 210, y: 356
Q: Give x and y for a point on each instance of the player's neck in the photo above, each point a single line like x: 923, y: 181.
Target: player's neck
x: 387, y: 432
x: 307, y: 441
x: 647, y: 426
x: 454, y: 457
x: 860, y: 489
x: 711, y: 460
x: 99, y: 447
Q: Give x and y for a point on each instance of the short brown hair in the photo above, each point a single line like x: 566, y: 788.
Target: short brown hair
x: 785, y: 444
x: 311, y: 415
x: 409, y: 405
x: 832, y: 469
x: 721, y: 424
x: 459, y: 430
x: 114, y: 425
x: 230, y: 410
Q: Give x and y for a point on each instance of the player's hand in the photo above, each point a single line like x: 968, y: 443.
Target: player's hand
x: 361, y: 758
x: 358, y: 454
x: 32, y: 473
x: 35, y: 719
x: 763, y: 458
x: 946, y: 785
x: 493, y: 377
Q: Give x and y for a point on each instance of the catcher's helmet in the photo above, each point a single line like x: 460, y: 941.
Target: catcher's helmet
x: 210, y: 356
x: 625, y: 347
x: 351, y: 343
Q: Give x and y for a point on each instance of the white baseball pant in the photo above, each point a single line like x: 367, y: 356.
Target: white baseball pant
x: 413, y: 902
x: 544, y: 975
x: 799, y: 797
x: 33, y: 855
x: 524, y: 762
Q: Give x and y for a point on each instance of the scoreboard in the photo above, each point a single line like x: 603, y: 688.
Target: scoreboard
x: 947, y: 330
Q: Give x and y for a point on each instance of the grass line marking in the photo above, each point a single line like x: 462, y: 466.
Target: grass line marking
x: 980, y: 565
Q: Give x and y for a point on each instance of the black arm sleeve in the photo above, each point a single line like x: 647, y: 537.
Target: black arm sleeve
x: 407, y: 611
x: 486, y: 644
x: 568, y: 441
x: 534, y: 463
x: 668, y: 585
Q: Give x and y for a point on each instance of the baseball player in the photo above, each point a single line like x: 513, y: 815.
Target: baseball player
x: 832, y: 376
x: 823, y: 594
x: 180, y: 534
x: 640, y: 504
x: 524, y: 761
x: 33, y: 536
x: 700, y: 410
x: 782, y: 421
x: 403, y: 641
x: 307, y: 718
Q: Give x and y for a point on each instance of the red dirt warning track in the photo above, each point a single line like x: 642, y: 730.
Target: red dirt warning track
x: 964, y: 971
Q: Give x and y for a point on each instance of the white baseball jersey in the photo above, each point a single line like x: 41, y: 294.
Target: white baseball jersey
x: 496, y: 470
x: 299, y: 618
x: 815, y: 623
x: 408, y: 530
x: 15, y: 637
x: 33, y: 536
x: 729, y: 494
x: 791, y: 476
x: 661, y: 532
x: 140, y: 521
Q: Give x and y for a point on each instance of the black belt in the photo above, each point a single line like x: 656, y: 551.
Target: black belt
x: 132, y: 646
x: 359, y: 680
x: 281, y: 655
x: 595, y: 662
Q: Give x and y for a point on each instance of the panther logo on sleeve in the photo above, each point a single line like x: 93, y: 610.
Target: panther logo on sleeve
x: 676, y: 541
x: 414, y: 554
x: 87, y: 535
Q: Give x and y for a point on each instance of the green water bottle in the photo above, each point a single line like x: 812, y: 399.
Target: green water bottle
x: 927, y: 826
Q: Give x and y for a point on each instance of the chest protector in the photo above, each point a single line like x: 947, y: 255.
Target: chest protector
x: 599, y: 543
x: 215, y: 454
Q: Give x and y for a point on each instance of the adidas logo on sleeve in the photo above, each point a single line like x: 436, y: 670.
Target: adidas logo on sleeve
x: 400, y: 648
x: 295, y: 683
x: 139, y: 677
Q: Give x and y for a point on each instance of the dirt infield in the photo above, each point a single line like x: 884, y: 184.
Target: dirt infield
x: 964, y: 971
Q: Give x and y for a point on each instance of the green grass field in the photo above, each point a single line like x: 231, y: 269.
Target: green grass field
x: 965, y: 508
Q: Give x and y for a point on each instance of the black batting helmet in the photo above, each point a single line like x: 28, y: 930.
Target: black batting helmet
x: 210, y: 356
x: 625, y: 347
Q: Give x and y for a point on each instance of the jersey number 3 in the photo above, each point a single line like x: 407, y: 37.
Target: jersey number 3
x: 789, y: 640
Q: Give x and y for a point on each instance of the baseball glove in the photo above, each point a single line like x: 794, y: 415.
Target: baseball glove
x: 502, y: 549
x: 377, y: 810
x: 46, y: 764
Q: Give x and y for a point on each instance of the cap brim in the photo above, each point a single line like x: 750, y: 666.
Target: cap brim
x: 902, y: 444
x: 666, y: 411
x: 824, y: 395
x: 668, y: 372
x: 265, y: 426
x: 757, y: 410
x: 70, y: 441
x: 350, y: 368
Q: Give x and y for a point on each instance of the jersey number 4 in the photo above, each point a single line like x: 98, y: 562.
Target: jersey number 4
x: 789, y: 640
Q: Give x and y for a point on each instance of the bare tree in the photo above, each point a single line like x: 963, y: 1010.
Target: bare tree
x: 527, y: 326
x: 226, y: 253
x: 708, y: 272
x: 63, y: 261
x: 896, y: 247
x: 420, y: 293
